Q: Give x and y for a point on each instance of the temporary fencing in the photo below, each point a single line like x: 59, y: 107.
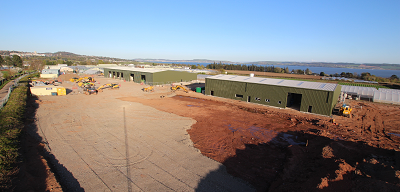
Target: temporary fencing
x: 10, y: 89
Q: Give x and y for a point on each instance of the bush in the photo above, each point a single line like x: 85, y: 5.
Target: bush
x: 11, y: 124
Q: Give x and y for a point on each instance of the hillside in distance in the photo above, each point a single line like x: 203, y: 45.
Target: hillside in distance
x: 383, y: 66
x: 68, y: 56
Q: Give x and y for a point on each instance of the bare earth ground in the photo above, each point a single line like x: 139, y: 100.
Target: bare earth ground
x: 285, y: 150
x: 272, y: 149
x: 100, y: 143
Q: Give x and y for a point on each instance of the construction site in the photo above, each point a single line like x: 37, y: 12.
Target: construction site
x: 116, y: 132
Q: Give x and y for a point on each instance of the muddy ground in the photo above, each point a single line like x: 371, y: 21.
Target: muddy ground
x: 285, y: 150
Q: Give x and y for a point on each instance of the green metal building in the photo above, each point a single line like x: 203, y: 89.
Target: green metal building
x: 150, y: 76
x: 313, y: 97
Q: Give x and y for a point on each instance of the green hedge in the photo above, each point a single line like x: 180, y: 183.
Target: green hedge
x: 11, y: 124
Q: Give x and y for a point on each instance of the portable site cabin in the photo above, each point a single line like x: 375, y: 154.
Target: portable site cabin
x: 48, y: 90
x: 313, y: 97
x: 50, y: 73
x: 149, y: 76
x: 66, y: 69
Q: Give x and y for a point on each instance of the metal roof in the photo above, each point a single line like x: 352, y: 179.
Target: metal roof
x: 362, y: 91
x: 146, y: 70
x: 278, y: 82
x: 387, y: 97
x: 389, y: 90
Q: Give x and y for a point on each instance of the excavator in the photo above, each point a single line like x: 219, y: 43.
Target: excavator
x: 82, y: 79
x: 147, y: 89
x: 74, y: 79
x: 90, y: 90
x: 179, y: 87
x: 108, y: 85
x: 85, y: 84
x: 345, y: 110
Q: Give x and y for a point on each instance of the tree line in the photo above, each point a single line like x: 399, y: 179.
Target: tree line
x: 261, y: 68
x: 14, y: 61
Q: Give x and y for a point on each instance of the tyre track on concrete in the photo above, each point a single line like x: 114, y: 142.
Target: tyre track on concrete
x: 87, y: 164
x: 161, y: 161
x: 146, y: 159
x: 78, y: 122
x: 164, y: 155
x: 176, y: 162
x: 88, y: 143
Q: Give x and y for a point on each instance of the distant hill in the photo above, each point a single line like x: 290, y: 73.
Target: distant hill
x: 68, y: 56
x: 382, y: 66
x: 63, y: 55
x: 184, y: 61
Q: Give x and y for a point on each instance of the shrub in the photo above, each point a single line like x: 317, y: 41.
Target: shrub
x: 11, y: 124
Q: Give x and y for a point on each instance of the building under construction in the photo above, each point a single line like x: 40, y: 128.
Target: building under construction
x: 150, y: 76
x: 313, y: 97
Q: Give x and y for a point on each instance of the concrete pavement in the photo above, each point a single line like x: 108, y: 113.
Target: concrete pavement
x: 87, y: 137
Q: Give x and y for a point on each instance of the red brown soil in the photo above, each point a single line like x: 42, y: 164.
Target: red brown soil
x: 285, y: 150
x: 34, y: 172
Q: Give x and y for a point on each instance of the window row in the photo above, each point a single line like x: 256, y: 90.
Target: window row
x: 256, y: 99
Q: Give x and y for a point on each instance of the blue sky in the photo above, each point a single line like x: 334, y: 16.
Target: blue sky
x: 360, y: 31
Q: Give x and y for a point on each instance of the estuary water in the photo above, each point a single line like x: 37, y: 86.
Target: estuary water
x: 326, y: 70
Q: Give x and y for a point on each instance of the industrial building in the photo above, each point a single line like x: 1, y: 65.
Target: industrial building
x: 149, y: 76
x: 313, y: 97
x: 50, y: 73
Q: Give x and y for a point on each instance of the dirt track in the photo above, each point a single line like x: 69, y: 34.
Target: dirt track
x: 273, y: 149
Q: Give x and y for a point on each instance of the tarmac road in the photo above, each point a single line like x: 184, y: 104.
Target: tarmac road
x: 100, y: 143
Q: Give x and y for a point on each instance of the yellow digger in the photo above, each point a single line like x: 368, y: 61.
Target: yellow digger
x: 74, y: 79
x: 147, y: 89
x: 179, y: 87
x: 345, y: 110
x: 85, y: 84
x: 108, y: 85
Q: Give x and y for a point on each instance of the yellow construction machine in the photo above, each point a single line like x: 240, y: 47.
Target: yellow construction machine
x: 82, y: 79
x: 108, y: 85
x: 85, y: 84
x: 345, y: 110
x: 174, y: 88
x: 74, y: 79
x: 90, y: 90
x: 147, y: 89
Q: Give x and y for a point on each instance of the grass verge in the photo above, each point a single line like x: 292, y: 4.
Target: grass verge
x: 11, y: 123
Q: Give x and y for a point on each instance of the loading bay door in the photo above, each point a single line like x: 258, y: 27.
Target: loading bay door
x: 294, y: 101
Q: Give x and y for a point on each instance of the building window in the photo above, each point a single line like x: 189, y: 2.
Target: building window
x: 257, y: 99
x: 238, y: 96
x: 267, y: 100
x: 279, y: 102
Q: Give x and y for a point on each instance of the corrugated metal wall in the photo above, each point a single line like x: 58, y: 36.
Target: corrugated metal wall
x: 166, y: 77
x: 163, y: 77
x: 322, y: 102
x: 127, y: 75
